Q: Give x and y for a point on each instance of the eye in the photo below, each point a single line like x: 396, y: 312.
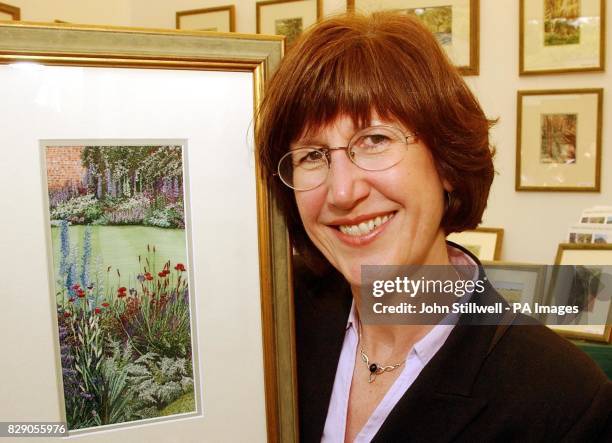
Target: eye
x: 373, y: 140
x: 307, y: 158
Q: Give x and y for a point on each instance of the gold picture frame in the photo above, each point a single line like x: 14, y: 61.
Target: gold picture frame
x: 7, y: 10
x: 485, y: 243
x: 37, y: 48
x: 558, y: 145
x: 217, y: 19
x: 461, y: 39
x: 588, y: 256
x: 556, y: 39
x: 287, y: 17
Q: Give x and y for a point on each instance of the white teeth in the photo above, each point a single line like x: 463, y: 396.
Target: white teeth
x: 364, y: 227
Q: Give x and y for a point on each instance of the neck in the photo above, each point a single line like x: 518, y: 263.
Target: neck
x: 390, y: 342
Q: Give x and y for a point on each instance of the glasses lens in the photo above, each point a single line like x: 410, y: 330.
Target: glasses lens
x: 377, y: 147
x: 303, y: 169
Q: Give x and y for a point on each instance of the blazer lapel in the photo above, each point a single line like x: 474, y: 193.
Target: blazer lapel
x: 320, y: 337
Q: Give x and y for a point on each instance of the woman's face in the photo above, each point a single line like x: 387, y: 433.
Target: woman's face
x: 405, y: 204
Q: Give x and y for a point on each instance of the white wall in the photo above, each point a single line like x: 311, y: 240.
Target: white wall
x: 95, y: 12
x: 534, y: 222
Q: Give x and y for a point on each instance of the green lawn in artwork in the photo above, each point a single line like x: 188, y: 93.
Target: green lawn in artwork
x: 119, y: 248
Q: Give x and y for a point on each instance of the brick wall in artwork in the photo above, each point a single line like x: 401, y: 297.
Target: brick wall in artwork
x: 64, y: 166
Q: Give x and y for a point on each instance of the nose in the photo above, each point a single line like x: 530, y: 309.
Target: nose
x: 345, y: 181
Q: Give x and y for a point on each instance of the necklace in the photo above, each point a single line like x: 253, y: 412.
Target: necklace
x: 374, y: 368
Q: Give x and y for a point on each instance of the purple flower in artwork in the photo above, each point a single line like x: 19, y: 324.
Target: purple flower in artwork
x: 140, y: 278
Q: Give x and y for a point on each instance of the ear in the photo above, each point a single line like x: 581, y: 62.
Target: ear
x: 447, y: 186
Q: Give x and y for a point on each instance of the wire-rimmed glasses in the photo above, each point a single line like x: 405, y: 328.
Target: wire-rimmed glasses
x: 375, y: 148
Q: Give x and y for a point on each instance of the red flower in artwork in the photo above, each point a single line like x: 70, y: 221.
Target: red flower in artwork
x: 161, y: 274
x: 148, y: 276
x: 67, y: 314
x: 105, y: 305
x: 71, y: 299
x: 76, y: 286
x: 97, y: 310
x: 121, y: 292
x: 180, y: 267
x: 81, y: 293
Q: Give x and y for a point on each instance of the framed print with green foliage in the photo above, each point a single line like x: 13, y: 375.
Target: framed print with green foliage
x: 217, y: 19
x: 484, y: 243
x: 590, y: 290
x: 559, y: 36
x: 145, y: 260
x: 287, y: 17
x: 559, y: 140
x: 9, y: 12
x: 455, y: 23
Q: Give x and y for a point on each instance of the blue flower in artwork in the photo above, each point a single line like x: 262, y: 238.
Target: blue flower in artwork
x: 71, y: 276
x: 86, y: 256
x: 99, y: 188
x: 64, y: 248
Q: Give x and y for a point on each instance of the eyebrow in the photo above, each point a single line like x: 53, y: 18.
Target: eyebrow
x: 308, y: 142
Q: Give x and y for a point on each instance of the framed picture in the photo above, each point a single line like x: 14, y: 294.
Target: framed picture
x: 455, y: 23
x: 111, y: 136
x: 559, y: 36
x: 517, y: 282
x: 559, y: 140
x: 484, y: 243
x: 588, y: 290
x: 217, y: 19
x: 9, y: 12
x: 287, y: 17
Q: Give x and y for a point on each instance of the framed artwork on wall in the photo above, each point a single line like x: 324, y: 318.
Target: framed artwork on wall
x: 455, y: 23
x: 217, y: 19
x: 9, y: 12
x: 120, y: 247
x: 484, y: 243
x: 559, y: 140
x: 589, y: 289
x: 558, y: 36
x: 287, y: 17
x: 517, y: 282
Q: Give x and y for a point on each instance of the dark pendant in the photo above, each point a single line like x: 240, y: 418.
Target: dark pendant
x: 373, y: 367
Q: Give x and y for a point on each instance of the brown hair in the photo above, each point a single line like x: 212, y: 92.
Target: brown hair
x: 390, y: 63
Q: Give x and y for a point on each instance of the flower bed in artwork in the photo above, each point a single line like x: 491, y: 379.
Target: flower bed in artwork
x: 125, y: 350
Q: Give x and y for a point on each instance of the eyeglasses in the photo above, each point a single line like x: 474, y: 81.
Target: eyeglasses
x: 375, y: 148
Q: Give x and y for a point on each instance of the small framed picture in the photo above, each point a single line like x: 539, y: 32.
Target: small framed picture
x: 287, y: 17
x: 484, y: 243
x: 9, y: 12
x: 589, y: 289
x: 217, y: 19
x: 559, y: 36
x: 559, y: 140
x: 517, y: 282
x: 455, y: 23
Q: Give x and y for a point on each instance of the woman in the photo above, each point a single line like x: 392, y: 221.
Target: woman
x: 380, y: 151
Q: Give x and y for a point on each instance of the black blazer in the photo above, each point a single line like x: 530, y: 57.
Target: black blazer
x: 518, y: 383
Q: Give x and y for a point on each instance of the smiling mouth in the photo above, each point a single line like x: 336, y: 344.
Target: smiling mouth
x: 366, y: 226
